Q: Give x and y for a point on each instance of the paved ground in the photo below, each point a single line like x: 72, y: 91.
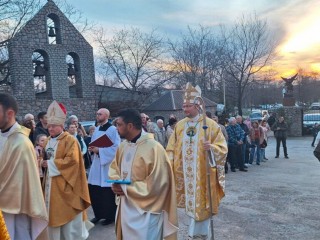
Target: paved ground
x: 278, y: 200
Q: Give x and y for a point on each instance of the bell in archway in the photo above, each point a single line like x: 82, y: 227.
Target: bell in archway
x: 71, y: 70
x: 51, y: 32
x: 39, y: 71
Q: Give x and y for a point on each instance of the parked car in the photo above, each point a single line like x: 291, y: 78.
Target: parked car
x: 255, y: 116
x: 87, y: 124
x: 315, y: 106
x: 309, y: 120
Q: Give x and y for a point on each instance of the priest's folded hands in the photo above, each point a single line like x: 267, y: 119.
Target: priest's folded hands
x: 116, y: 188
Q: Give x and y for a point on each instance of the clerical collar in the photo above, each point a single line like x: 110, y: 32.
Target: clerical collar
x: 134, y: 140
x: 57, y: 135
x: 7, y: 130
x: 195, y: 119
x: 105, y: 126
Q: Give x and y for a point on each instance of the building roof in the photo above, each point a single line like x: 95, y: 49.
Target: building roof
x: 172, y: 101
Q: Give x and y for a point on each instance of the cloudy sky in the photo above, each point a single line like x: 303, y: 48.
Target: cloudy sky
x: 295, y: 23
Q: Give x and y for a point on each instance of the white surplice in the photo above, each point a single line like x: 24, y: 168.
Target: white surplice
x: 136, y: 223
x: 100, y: 162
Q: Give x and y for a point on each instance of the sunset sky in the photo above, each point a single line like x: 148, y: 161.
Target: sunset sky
x: 295, y: 23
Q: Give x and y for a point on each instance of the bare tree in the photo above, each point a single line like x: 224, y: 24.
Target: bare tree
x: 307, y: 86
x: 13, y: 16
x: 136, y: 59
x: 249, y: 48
x: 197, y: 57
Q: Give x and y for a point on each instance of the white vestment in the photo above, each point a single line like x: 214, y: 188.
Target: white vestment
x: 100, y: 162
x: 197, y: 229
x: 18, y: 226
x: 136, y: 223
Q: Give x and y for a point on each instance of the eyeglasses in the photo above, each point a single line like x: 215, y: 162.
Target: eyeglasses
x: 98, y: 114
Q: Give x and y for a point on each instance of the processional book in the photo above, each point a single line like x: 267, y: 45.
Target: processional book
x: 101, y: 142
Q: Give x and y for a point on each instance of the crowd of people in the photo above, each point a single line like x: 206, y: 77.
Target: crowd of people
x: 132, y: 171
x: 247, y: 140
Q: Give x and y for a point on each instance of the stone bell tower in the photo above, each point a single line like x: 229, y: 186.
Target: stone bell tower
x: 51, y: 60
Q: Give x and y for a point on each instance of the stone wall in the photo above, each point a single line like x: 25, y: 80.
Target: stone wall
x: 293, y: 116
x: 5, y: 89
x: 84, y: 109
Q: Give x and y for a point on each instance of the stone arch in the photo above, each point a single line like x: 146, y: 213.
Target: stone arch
x: 41, y: 74
x: 53, y: 29
x: 74, y: 75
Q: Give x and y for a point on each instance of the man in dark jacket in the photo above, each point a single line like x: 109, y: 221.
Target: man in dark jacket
x: 315, y: 130
x: 41, y: 127
x: 245, y: 145
x: 272, y: 119
x: 280, y: 133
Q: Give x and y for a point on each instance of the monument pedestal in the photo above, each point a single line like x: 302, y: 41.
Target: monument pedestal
x: 293, y: 117
x: 288, y: 101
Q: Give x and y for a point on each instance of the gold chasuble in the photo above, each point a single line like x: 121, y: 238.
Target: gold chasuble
x: 4, y: 235
x: 69, y: 194
x: 152, y: 188
x: 20, y: 188
x: 187, y: 156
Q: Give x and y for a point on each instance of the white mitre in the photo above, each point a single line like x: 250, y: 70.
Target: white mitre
x: 56, y: 113
x: 191, y: 93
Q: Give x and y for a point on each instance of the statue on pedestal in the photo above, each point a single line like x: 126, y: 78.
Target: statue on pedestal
x: 287, y: 91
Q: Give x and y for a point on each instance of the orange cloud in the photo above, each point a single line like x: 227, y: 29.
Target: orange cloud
x: 300, y: 48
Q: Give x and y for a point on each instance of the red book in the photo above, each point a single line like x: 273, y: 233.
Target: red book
x: 100, y: 142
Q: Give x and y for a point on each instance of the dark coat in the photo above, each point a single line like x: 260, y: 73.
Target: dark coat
x: 315, y: 130
x: 316, y: 151
x: 282, y: 132
x: 271, y: 120
x: 39, y: 130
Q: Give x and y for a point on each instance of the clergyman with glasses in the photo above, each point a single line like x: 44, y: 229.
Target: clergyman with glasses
x: 102, y: 197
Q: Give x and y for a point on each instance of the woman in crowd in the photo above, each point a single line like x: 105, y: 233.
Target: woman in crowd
x: 256, y: 137
x: 265, y: 130
x: 248, y: 122
x: 170, y: 127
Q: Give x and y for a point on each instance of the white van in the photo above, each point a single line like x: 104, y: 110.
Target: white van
x: 315, y: 106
